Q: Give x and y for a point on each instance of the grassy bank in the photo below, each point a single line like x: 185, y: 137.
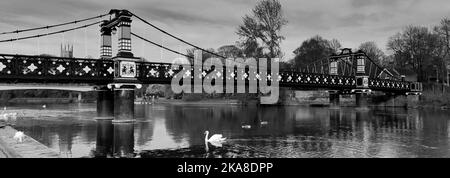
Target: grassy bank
x: 29, y: 148
x: 433, y: 99
x: 435, y: 95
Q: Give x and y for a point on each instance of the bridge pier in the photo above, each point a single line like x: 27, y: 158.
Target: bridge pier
x: 334, y: 97
x: 105, y: 103
x: 412, y: 100
x: 124, y: 104
x: 361, y: 100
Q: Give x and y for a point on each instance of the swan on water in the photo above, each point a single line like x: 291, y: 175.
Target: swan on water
x: 19, y: 136
x: 216, y: 139
x: 4, y: 117
x: 246, y: 126
x: 7, y: 116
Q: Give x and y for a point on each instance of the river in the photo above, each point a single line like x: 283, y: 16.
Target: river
x: 170, y: 130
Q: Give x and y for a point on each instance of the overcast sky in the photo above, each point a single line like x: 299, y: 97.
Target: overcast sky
x: 213, y: 23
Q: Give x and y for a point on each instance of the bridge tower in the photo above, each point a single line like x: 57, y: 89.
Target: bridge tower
x: 105, y: 95
x: 335, y: 94
x: 361, y: 78
x: 116, y: 100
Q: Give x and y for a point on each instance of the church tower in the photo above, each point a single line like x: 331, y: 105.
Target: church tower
x: 67, y: 51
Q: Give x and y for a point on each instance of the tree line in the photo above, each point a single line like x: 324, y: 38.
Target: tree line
x: 415, y: 51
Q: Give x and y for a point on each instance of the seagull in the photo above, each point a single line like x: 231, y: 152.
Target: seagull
x: 19, y: 136
x: 216, y: 139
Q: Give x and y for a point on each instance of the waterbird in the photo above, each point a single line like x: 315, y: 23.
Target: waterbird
x: 44, y: 106
x: 216, y: 139
x: 264, y: 123
x: 246, y: 126
x: 19, y: 136
x: 4, y: 117
x: 7, y: 116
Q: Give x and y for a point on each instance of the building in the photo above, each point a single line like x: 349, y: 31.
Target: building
x: 67, y: 51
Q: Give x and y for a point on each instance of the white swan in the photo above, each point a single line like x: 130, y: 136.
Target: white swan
x: 216, y: 139
x: 246, y: 126
x: 4, y: 117
x: 19, y: 136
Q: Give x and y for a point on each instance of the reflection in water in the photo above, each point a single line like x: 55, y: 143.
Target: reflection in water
x: 65, y: 140
x: 114, y: 139
x: 123, y: 145
x: 105, y: 131
x: 177, y: 131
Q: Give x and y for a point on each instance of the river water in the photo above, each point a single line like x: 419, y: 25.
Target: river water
x: 169, y: 130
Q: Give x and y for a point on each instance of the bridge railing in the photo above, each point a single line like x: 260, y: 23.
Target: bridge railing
x: 23, y: 68
x: 49, y: 69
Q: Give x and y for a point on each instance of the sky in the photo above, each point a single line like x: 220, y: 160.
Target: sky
x: 212, y: 23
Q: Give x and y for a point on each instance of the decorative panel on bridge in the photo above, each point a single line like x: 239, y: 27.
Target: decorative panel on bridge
x: 324, y: 81
x: 155, y: 72
x: 47, y: 69
x: 389, y: 85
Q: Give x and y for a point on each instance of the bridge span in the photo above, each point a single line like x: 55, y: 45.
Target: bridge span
x: 115, y: 78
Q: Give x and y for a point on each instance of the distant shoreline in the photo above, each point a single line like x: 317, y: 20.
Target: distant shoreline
x: 43, y: 101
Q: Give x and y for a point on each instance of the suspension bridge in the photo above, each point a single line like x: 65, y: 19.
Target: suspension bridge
x: 116, y: 77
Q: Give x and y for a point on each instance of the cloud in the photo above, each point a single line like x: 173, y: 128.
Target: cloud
x: 211, y: 24
x: 366, y: 3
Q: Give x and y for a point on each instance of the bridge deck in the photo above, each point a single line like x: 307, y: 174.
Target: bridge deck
x: 46, y: 70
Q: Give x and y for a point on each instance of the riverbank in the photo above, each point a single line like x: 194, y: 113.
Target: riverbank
x: 206, y: 102
x: 29, y: 148
x: 430, y: 99
x: 45, y: 101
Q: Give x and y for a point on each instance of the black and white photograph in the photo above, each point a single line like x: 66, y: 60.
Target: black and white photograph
x: 224, y: 79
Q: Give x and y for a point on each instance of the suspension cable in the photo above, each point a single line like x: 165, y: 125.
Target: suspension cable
x: 52, y: 26
x: 177, y: 38
x: 48, y: 34
x: 163, y: 47
x: 181, y: 40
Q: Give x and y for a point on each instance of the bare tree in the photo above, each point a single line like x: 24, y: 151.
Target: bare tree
x: 231, y: 51
x: 335, y: 45
x: 373, y: 52
x: 260, y: 32
x: 313, y: 50
x: 415, y: 48
x: 443, y: 31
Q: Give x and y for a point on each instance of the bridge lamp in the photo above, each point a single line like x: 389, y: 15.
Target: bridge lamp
x: 114, y: 30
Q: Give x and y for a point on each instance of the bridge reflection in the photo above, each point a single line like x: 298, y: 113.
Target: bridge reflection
x: 290, y: 132
x: 114, y: 139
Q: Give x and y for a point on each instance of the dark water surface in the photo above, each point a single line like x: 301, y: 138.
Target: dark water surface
x: 177, y: 131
